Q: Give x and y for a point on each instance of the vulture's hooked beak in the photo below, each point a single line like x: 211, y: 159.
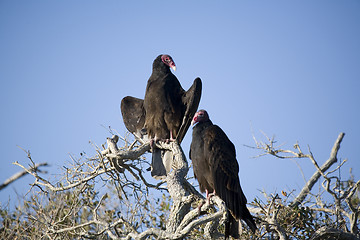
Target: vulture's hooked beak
x: 173, y: 67
x: 193, y: 121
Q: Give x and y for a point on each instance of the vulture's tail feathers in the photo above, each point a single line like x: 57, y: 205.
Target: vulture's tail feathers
x: 249, y: 220
x: 161, y: 163
x: 232, y: 228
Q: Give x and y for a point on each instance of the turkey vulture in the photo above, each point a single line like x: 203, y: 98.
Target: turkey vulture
x: 165, y: 113
x: 216, y: 169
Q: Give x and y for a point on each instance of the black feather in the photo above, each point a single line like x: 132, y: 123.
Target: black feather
x: 216, y: 168
x: 166, y: 108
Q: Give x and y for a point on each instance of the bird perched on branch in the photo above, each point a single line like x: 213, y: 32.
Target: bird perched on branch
x: 164, y: 114
x: 216, y: 169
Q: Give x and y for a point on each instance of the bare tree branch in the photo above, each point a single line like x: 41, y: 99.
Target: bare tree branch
x: 336, y: 209
x: 181, y: 220
x: 331, y: 233
x: 315, y: 177
x: 80, y: 212
x: 20, y: 174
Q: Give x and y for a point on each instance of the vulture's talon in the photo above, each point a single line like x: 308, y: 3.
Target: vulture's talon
x: 200, y: 206
x: 209, y: 195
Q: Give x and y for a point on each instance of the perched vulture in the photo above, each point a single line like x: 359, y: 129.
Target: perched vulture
x: 216, y: 169
x: 164, y: 114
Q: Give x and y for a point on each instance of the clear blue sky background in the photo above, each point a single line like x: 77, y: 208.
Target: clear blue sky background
x: 289, y: 68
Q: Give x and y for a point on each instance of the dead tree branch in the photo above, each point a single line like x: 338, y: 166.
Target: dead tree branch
x: 320, y: 171
x: 337, y: 209
x: 181, y: 220
x: 20, y: 174
x: 270, y: 149
x: 331, y: 233
x: 80, y: 211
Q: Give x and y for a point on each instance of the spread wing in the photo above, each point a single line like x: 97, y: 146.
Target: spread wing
x: 191, y: 100
x: 133, y: 113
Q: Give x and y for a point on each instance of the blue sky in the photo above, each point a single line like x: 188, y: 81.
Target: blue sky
x: 288, y: 68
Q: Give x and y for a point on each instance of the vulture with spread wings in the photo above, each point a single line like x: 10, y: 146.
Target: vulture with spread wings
x: 164, y: 114
x: 216, y: 169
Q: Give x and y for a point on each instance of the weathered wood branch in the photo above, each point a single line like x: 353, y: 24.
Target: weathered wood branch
x: 43, y: 182
x: 181, y: 220
x: 321, y: 171
x: 187, y: 225
x: 315, y: 177
x: 112, y: 152
x: 272, y: 212
x: 355, y: 210
x: 20, y: 174
x: 331, y: 233
x: 175, y: 184
x: 184, y: 216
